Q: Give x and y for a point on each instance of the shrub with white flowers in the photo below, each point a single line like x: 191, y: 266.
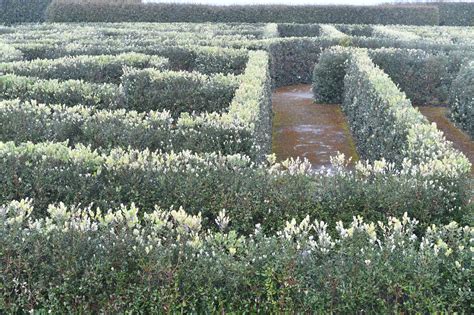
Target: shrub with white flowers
x: 83, y: 260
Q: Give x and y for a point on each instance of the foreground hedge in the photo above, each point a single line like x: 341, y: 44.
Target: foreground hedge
x: 461, y: 99
x: 163, y: 12
x: 177, y: 92
x: 51, y: 173
x: 116, y: 262
x: 98, y: 69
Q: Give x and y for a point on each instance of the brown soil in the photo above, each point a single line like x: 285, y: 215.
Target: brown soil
x: 304, y: 129
x: 460, y: 140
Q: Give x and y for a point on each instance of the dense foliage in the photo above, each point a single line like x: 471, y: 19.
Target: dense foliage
x: 425, y: 77
x: 69, y: 93
x: 328, y: 75
x: 102, y: 126
x: 167, y: 261
x: 458, y: 13
x: 51, y: 173
x: 98, y: 69
x: 387, y: 126
x: 461, y: 101
x: 166, y: 12
x: 177, y: 92
x: 22, y: 11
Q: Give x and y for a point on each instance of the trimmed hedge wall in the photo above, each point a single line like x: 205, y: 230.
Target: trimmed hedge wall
x: 69, y: 93
x: 163, y: 12
x: 461, y: 99
x: 207, y: 60
x: 294, y: 58
x: 23, y: 11
x: 100, y: 129
x: 328, y: 75
x: 456, y: 13
x: 299, y: 30
x: 52, y: 172
x: 426, y: 78
x: 177, y: 92
x: 8, y: 53
x: 243, y: 127
x: 97, y: 69
x: 386, y: 126
x: 167, y: 262
x: 141, y: 90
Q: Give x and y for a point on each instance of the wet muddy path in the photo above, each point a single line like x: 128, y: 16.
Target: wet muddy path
x: 460, y: 140
x: 304, y: 129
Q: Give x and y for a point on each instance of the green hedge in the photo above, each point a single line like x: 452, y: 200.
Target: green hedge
x: 355, y: 30
x: 328, y: 75
x: 251, y: 193
x: 244, y: 127
x: 164, y: 12
x: 101, y: 129
x: 299, y: 30
x: 426, y: 78
x: 69, y: 93
x: 8, y: 53
x: 106, y: 129
x: 461, y: 99
x: 456, y: 13
x: 177, y: 92
x: 168, y: 262
x: 294, y: 58
x: 22, y: 11
x: 207, y: 60
x: 98, y: 69
x: 385, y: 125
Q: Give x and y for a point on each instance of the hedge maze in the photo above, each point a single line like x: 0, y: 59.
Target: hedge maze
x: 108, y: 129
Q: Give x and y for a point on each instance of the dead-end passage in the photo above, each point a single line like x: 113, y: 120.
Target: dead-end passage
x: 460, y: 140
x: 302, y: 128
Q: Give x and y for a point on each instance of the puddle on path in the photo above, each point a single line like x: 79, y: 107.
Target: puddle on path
x: 304, y: 129
x: 460, y: 140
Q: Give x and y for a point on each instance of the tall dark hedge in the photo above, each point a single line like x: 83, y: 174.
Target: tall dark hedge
x: 22, y: 11
x: 165, y: 12
x: 456, y: 13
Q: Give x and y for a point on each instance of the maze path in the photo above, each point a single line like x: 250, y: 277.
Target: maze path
x: 304, y: 129
x: 460, y: 139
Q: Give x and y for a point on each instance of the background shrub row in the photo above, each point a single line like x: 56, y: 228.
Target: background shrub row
x: 168, y: 262
x: 69, y: 93
x: 456, y: 13
x: 163, y: 12
x: 22, y: 11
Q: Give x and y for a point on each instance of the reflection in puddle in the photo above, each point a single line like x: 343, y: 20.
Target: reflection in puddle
x: 304, y: 129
